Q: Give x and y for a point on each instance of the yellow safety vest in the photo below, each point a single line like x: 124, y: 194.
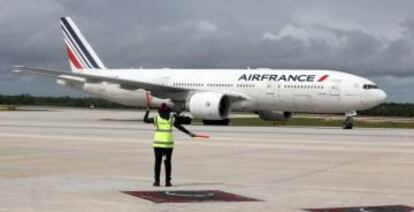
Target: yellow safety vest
x: 163, y: 136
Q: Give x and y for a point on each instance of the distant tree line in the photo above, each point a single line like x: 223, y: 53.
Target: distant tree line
x: 386, y: 109
x: 390, y: 109
x: 65, y: 101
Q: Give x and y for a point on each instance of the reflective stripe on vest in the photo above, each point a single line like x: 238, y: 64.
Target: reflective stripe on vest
x: 163, y: 136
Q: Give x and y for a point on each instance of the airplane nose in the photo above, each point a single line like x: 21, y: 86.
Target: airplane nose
x: 382, y: 96
x: 372, y: 98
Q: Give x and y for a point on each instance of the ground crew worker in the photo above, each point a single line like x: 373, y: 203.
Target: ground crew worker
x: 164, y: 141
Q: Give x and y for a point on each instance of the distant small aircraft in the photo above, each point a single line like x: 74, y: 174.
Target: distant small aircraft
x: 212, y: 94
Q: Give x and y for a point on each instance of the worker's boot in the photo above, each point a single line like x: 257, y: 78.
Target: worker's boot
x: 168, y: 184
x: 156, y: 184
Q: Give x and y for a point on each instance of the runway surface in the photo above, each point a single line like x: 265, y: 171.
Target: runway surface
x: 81, y: 160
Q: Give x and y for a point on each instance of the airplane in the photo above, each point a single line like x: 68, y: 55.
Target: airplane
x: 212, y: 94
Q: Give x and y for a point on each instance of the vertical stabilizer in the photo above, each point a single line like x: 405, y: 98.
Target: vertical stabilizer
x: 80, y: 54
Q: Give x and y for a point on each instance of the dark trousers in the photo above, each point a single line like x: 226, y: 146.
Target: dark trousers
x: 159, y: 153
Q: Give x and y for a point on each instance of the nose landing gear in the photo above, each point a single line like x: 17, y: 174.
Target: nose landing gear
x: 348, y: 123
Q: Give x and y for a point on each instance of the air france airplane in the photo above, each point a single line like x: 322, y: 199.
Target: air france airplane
x: 212, y: 94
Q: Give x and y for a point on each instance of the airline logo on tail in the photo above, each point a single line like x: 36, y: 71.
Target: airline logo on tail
x: 80, y: 53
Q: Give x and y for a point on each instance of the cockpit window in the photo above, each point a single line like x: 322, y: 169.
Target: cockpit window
x: 370, y: 86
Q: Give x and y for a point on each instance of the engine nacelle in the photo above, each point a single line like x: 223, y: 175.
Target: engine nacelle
x: 274, y: 116
x: 209, y: 106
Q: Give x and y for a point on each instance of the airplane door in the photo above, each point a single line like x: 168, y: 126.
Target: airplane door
x: 335, y: 87
x: 269, y: 97
x: 330, y: 99
x: 335, y: 90
x: 270, y: 89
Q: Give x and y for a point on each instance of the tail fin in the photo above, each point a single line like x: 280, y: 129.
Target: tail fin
x: 80, y: 53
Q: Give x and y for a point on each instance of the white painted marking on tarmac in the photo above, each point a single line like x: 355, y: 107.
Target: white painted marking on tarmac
x: 232, y: 142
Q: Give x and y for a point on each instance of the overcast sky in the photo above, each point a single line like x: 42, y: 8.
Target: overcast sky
x: 370, y: 38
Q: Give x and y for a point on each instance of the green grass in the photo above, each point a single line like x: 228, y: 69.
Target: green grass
x: 316, y: 122
x: 7, y: 107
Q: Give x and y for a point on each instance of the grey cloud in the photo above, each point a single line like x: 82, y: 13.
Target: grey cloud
x: 369, y: 38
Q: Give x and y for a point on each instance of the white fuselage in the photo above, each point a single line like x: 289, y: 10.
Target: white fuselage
x: 309, y: 91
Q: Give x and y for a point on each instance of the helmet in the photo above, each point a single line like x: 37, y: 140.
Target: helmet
x: 164, y: 108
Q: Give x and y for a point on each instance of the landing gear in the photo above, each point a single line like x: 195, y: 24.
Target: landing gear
x: 223, y: 122
x: 185, y: 120
x: 349, y: 120
x: 348, y: 124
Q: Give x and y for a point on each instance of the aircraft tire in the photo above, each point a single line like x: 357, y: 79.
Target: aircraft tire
x: 347, y: 125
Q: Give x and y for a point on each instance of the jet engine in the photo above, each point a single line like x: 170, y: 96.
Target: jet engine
x: 274, y: 116
x: 209, y: 106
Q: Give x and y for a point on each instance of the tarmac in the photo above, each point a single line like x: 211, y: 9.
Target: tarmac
x: 64, y: 159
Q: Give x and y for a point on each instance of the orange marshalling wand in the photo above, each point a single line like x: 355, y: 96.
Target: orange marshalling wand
x: 202, y: 136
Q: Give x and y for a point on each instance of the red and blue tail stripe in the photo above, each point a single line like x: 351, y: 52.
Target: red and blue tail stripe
x: 73, y: 59
x: 80, y: 53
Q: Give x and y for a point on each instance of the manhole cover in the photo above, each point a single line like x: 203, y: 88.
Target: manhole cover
x: 191, y: 196
x: 386, y: 208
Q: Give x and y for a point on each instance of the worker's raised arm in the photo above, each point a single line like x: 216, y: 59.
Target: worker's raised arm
x: 146, y: 119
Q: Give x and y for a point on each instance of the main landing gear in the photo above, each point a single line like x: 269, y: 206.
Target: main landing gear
x: 348, y: 123
x: 186, y: 120
x: 223, y: 122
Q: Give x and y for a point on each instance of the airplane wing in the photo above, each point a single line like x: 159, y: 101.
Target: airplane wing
x: 158, y: 90
x: 97, y: 78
